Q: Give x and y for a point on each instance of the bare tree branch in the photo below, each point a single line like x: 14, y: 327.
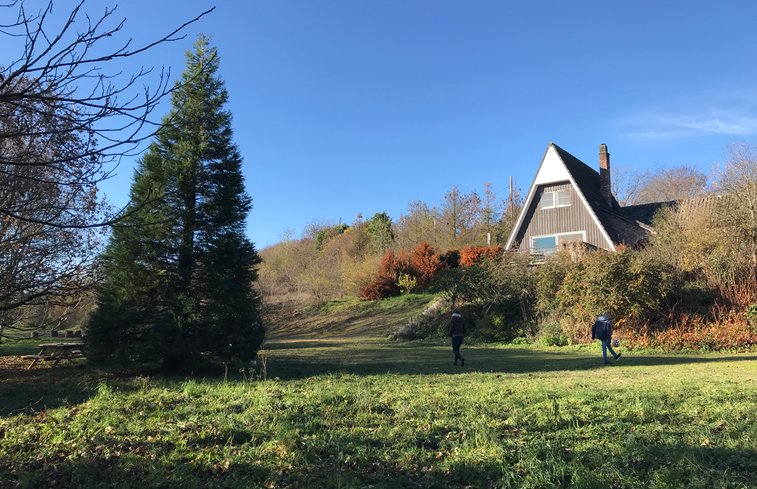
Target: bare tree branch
x: 69, y: 112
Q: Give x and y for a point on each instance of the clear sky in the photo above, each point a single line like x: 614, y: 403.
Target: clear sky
x: 347, y: 107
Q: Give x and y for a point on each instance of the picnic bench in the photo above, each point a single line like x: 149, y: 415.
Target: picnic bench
x: 55, y: 352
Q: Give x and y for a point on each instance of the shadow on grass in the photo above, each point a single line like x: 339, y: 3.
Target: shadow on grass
x: 351, y: 461
x: 295, y: 359
x: 46, y: 387
x: 91, y: 472
x: 298, y: 344
x: 28, y: 391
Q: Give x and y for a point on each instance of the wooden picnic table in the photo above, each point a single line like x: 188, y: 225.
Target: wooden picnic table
x: 55, y: 352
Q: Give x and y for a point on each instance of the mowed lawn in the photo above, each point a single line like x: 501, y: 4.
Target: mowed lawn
x: 365, y: 412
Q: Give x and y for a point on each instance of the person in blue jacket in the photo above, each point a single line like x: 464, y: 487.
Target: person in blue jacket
x: 602, y: 331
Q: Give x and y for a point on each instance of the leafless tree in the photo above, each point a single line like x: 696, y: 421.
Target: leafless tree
x: 68, y: 114
x: 418, y: 224
x: 715, y: 236
x: 460, y: 215
x: 660, y: 185
x: 737, y: 184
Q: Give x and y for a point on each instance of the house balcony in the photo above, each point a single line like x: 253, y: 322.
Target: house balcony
x: 576, y: 249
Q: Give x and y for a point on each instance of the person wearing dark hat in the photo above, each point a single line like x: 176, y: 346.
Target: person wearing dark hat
x: 602, y: 331
x: 457, y: 332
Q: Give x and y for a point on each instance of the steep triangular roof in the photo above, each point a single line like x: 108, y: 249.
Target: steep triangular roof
x: 586, y: 178
x: 617, y: 224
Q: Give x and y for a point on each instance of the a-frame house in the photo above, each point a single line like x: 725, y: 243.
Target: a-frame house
x: 571, y: 202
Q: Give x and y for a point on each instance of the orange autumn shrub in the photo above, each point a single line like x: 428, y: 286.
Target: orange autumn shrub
x: 424, y: 264
x: 384, y: 283
x: 731, y: 334
x: 695, y: 333
x: 421, y: 265
x: 470, y: 255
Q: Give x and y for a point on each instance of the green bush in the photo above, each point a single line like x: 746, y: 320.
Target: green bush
x: 491, y: 328
x: 548, y: 279
x: 493, y: 287
x: 632, y: 285
x: 328, y: 233
x: 694, y: 294
x: 406, y: 283
x: 551, y: 334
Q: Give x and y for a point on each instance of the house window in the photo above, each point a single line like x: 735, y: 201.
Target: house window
x: 549, y: 244
x: 544, y: 244
x: 570, y: 238
x: 555, y: 198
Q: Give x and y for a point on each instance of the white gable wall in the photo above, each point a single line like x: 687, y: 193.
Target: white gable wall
x: 552, y: 169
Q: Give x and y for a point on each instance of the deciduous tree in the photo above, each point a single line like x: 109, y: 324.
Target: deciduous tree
x: 417, y: 225
x: 67, y: 114
x: 737, y: 183
x: 491, y: 213
x: 46, y: 241
x: 665, y: 184
x: 460, y: 216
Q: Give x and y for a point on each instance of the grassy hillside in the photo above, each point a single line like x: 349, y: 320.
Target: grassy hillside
x: 341, y: 413
x: 342, y: 318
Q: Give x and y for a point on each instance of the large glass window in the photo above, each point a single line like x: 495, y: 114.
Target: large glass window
x: 544, y: 244
x: 549, y: 244
x: 570, y: 237
x: 555, y: 198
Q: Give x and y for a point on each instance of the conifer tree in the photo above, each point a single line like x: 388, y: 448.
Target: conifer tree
x: 179, y: 271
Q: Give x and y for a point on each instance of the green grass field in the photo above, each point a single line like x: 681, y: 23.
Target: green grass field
x: 365, y: 412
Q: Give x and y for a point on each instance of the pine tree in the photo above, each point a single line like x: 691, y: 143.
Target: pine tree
x: 179, y: 270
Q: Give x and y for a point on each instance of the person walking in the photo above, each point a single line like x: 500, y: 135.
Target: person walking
x: 602, y: 331
x: 457, y: 332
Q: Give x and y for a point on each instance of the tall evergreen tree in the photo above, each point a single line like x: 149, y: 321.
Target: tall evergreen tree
x: 179, y: 271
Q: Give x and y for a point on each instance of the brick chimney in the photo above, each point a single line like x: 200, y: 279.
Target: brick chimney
x: 605, y: 188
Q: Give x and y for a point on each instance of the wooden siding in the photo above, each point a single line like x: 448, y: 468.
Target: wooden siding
x: 546, y: 222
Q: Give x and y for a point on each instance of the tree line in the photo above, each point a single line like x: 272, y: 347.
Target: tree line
x: 336, y: 260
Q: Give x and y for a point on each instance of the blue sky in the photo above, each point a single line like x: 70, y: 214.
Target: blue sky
x: 347, y: 107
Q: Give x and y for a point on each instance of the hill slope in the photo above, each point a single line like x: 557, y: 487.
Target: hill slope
x: 342, y: 318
